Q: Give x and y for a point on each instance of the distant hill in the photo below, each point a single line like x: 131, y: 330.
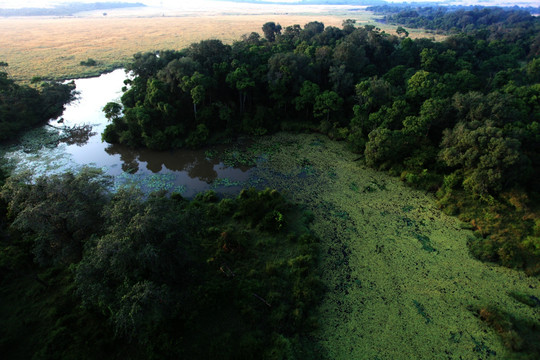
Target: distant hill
x: 67, y: 9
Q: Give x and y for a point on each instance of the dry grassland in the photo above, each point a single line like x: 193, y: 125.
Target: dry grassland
x: 53, y: 48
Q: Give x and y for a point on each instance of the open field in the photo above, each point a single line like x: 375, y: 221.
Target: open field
x: 53, y: 48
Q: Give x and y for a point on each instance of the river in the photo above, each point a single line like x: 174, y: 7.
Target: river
x: 47, y: 150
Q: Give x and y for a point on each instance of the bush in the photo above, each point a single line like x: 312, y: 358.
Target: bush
x: 89, y: 62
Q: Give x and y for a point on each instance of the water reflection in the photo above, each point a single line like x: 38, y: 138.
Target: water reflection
x: 78, y: 135
x: 194, y: 162
x: 80, y: 145
x: 128, y: 157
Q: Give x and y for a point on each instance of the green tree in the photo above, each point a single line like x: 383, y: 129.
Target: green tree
x: 195, y: 85
x: 421, y: 85
x: 401, y: 31
x: 307, y: 97
x: 128, y: 271
x: 113, y: 111
x: 241, y: 80
x: 326, y: 103
x: 491, y: 161
x: 385, y: 148
x: 435, y: 116
x: 270, y: 30
x: 60, y: 213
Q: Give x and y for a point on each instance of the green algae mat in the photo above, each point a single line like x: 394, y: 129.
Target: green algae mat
x: 400, y: 281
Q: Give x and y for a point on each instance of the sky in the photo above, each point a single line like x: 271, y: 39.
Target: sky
x: 191, y: 3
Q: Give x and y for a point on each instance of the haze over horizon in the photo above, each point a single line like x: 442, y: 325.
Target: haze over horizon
x: 6, y: 4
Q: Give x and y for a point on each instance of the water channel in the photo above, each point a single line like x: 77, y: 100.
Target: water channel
x: 48, y: 150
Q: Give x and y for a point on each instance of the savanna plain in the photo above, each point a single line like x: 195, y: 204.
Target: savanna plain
x: 53, y: 48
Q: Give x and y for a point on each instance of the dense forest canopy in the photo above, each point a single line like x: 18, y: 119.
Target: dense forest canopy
x: 107, y: 274
x: 455, y: 19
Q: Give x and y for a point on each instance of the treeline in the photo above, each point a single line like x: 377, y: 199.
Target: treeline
x: 499, y: 22
x: 24, y: 106
x: 101, y: 275
x: 459, y: 116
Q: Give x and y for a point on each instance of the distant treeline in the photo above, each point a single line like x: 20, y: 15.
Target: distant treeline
x: 460, y: 117
x: 457, y: 19
x: 67, y: 9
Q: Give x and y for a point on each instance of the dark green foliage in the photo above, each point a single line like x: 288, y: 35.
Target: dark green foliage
x: 59, y: 213
x: 22, y: 106
x: 518, y: 335
x: 500, y: 22
x: 89, y: 62
x: 159, y: 277
x: 251, y: 87
x: 270, y: 30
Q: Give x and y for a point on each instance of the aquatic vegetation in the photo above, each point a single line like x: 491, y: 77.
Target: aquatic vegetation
x: 211, y: 153
x: 250, y: 155
x: 426, y: 243
x: 393, y: 264
x: 225, y: 182
x: 148, y: 183
x: 525, y: 298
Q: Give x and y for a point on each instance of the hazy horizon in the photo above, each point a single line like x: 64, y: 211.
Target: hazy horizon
x: 5, y: 4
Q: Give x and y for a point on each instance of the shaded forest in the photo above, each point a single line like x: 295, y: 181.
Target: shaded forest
x: 26, y: 106
x: 96, y: 274
x: 499, y: 22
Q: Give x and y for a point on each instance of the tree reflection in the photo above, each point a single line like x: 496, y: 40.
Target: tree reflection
x: 128, y: 156
x: 194, y: 162
x: 77, y: 135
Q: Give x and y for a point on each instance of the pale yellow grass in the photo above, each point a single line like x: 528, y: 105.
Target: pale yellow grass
x: 53, y: 48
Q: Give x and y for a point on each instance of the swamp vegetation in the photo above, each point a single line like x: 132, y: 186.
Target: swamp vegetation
x: 341, y: 261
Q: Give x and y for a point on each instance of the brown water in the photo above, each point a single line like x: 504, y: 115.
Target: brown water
x: 49, y: 150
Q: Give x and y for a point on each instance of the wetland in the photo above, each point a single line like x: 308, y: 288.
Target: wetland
x: 400, y: 280
x: 308, y: 193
